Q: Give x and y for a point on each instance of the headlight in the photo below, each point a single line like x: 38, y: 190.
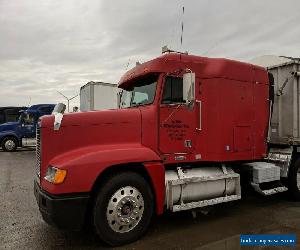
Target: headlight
x: 55, y: 175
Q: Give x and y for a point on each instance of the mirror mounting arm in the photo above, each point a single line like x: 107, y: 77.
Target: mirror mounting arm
x: 187, y: 70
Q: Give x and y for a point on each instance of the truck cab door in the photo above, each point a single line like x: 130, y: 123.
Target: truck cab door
x: 28, y: 122
x: 177, y: 133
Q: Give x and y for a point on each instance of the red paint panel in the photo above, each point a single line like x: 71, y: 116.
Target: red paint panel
x: 177, y: 124
x: 242, y: 139
x: 156, y: 171
x: 88, y: 133
x: 84, y: 165
x: 149, y: 126
x: 228, y: 105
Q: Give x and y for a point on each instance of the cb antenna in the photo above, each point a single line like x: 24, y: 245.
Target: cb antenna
x: 127, y: 65
x: 165, y: 48
x: 29, y: 103
x: 181, y: 37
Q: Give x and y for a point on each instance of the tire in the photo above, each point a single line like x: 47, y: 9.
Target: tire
x: 9, y: 144
x: 293, y: 181
x: 123, y: 209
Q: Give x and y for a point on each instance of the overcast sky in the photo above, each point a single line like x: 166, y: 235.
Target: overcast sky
x: 61, y: 45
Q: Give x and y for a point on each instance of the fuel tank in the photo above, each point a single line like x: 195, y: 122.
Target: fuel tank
x: 199, y: 184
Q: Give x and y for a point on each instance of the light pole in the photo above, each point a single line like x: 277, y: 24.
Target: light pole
x: 68, y: 99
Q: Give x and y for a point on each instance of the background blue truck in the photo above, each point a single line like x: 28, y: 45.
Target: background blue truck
x: 13, y: 134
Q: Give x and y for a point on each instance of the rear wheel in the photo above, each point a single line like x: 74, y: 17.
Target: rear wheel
x: 9, y: 144
x: 123, y: 208
x: 294, y: 180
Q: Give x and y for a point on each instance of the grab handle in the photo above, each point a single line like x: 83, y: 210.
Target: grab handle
x: 199, y: 115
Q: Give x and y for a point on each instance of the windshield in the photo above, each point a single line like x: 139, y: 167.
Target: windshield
x: 141, y: 92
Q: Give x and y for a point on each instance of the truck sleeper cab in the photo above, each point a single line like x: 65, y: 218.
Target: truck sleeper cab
x: 186, y: 129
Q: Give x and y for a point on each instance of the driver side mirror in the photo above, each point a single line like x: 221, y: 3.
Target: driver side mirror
x: 59, y: 108
x: 58, y: 113
x: 188, y: 87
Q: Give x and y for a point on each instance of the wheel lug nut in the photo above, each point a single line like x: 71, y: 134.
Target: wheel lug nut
x: 119, y: 215
x: 135, y: 212
x: 132, y: 218
x: 119, y: 208
x: 123, y: 202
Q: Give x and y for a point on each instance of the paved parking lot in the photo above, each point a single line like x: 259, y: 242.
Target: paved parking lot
x: 21, y: 226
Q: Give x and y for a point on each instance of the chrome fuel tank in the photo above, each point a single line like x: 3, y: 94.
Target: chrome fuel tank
x: 199, y: 184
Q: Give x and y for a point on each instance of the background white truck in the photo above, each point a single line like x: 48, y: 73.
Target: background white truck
x: 98, y: 95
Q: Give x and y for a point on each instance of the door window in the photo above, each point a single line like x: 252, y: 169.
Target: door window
x: 173, y: 90
x: 27, y: 119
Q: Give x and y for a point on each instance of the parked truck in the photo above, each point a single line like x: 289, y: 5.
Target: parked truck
x: 22, y: 132
x: 98, y: 95
x: 10, y: 114
x: 187, y: 129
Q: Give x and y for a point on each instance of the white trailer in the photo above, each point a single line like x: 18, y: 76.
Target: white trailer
x: 98, y: 95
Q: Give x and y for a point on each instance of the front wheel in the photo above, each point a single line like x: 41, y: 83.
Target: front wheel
x: 123, y: 209
x: 9, y: 144
x: 294, y: 180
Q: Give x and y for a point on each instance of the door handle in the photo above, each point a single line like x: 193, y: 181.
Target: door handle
x: 199, y: 128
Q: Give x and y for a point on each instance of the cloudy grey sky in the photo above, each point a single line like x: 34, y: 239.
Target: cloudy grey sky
x: 60, y: 45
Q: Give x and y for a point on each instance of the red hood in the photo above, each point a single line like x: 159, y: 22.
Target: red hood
x: 106, y: 127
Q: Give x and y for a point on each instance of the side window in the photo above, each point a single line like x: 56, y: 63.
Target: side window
x: 2, y: 118
x: 173, y: 90
x: 11, y: 115
x: 28, y: 119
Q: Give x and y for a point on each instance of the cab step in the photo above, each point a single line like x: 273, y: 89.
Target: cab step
x: 269, y: 191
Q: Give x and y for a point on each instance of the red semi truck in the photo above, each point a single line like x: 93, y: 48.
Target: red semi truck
x: 186, y: 129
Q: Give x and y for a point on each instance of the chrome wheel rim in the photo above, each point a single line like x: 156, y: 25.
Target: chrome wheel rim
x: 9, y: 145
x: 298, y: 179
x: 125, y: 209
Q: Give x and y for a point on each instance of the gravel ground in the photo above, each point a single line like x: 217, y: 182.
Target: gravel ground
x: 21, y: 226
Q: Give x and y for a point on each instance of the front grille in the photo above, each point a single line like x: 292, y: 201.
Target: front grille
x: 38, y: 151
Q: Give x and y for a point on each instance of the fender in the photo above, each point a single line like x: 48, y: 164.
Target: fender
x: 85, y: 164
x: 8, y: 133
x: 156, y: 171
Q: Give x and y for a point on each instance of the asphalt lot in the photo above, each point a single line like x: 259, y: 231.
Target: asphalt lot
x: 21, y: 226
